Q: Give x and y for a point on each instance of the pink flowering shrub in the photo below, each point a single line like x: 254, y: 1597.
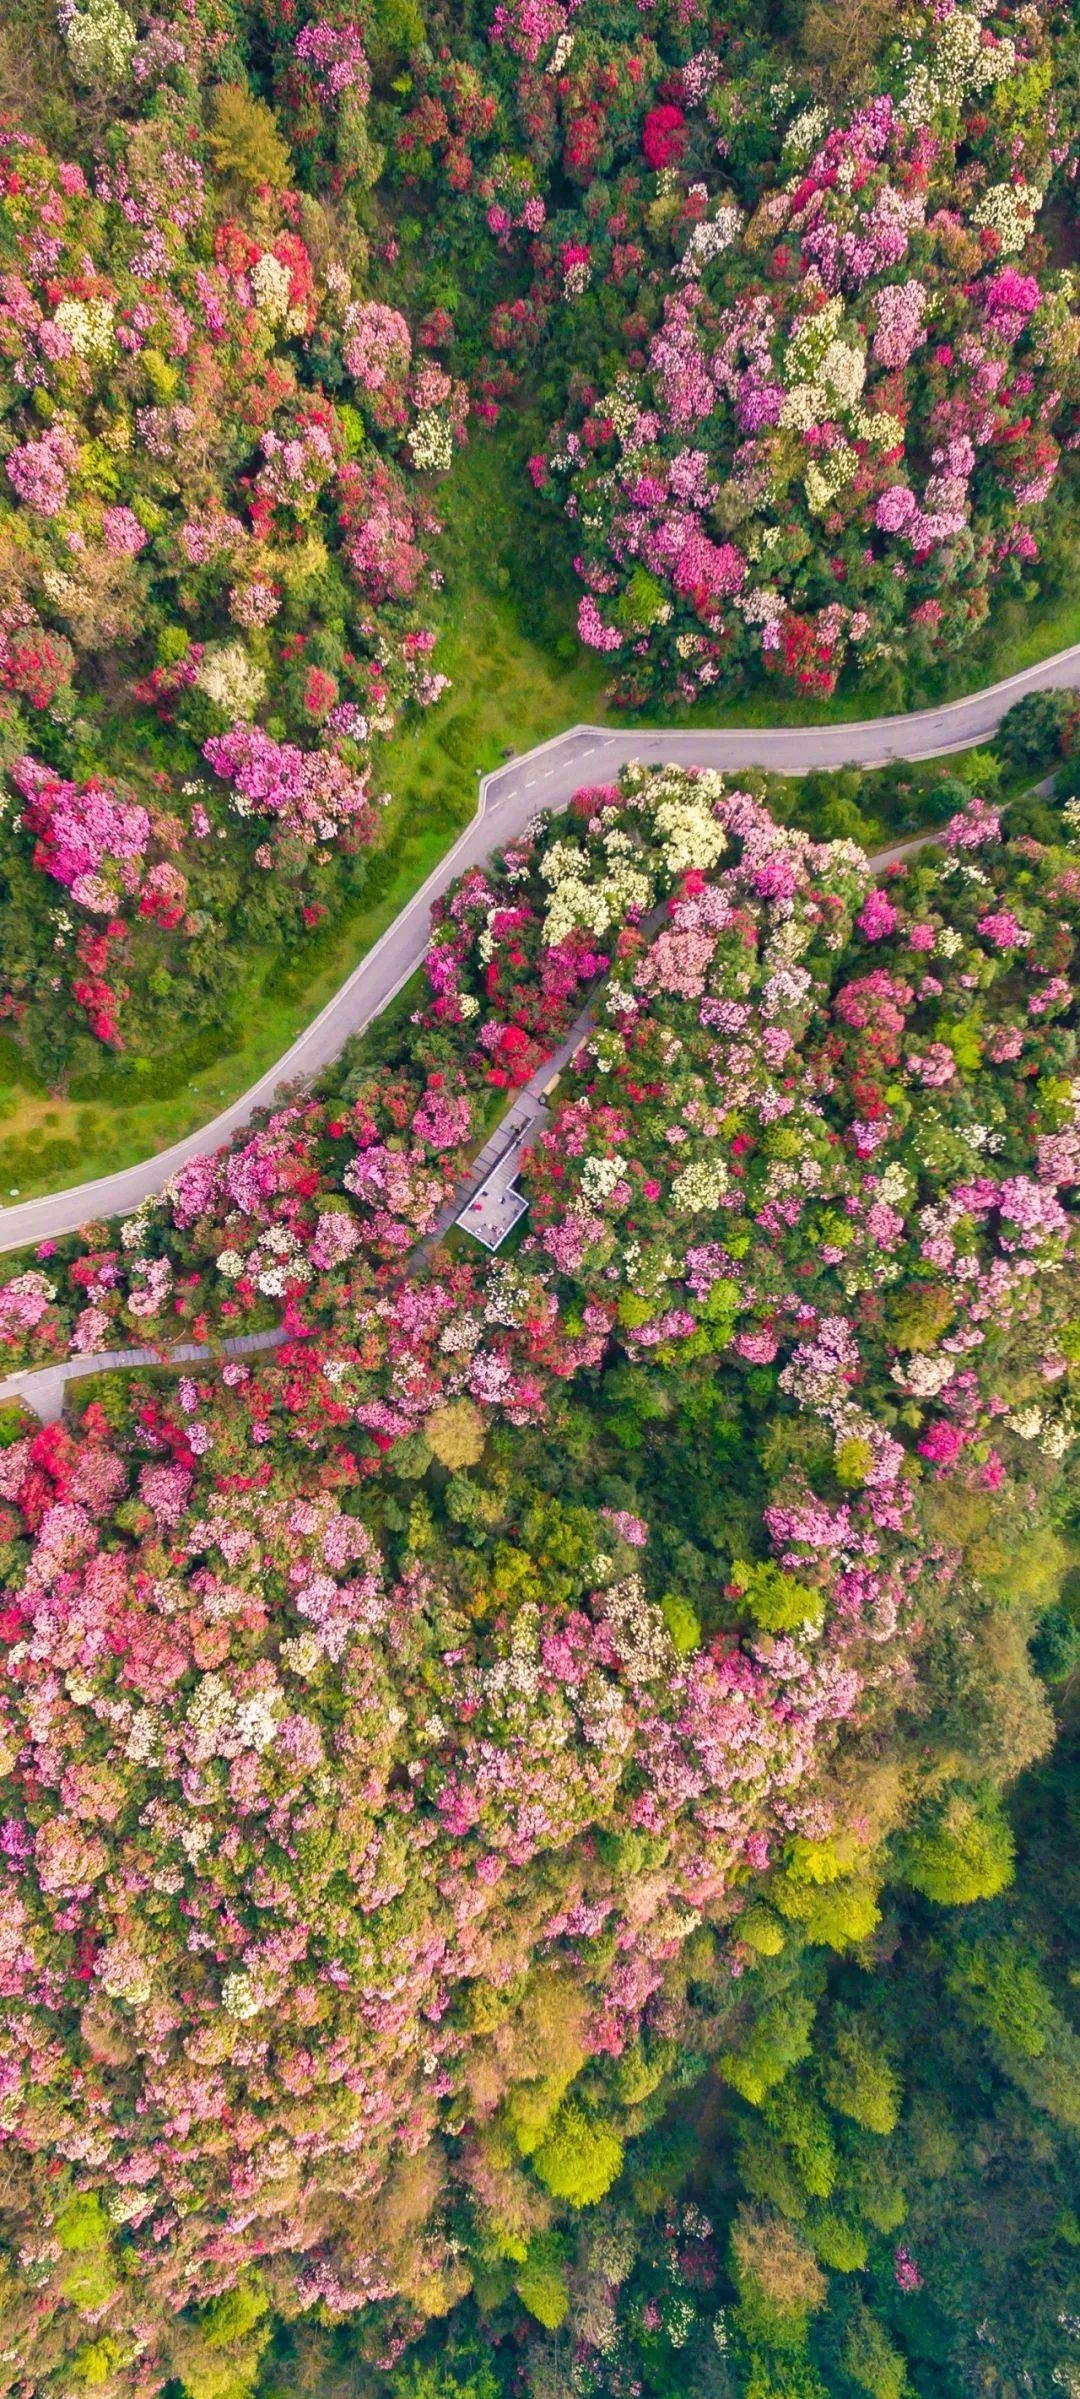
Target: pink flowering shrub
x: 39, y: 470
x: 234, y: 1656
x: 81, y: 830
x: 313, y: 794
x: 377, y: 351
x: 335, y: 55
x: 178, y: 429
x: 865, y: 353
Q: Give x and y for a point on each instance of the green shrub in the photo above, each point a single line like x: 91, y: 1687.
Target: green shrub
x: 245, y: 140
x: 778, y: 1602
x: 541, y: 2287
x: 579, y: 2159
x: 961, y: 1851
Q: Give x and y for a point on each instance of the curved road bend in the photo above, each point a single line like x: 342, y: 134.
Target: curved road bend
x: 43, y: 1387
x: 543, y: 777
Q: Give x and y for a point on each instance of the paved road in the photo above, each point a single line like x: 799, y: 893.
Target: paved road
x: 44, y: 1387
x: 543, y: 778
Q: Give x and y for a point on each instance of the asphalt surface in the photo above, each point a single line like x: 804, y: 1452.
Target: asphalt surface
x: 542, y: 778
x: 44, y: 1387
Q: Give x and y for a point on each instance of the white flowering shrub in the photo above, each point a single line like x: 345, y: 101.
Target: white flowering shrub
x: 231, y: 679
x: 431, y: 443
x: 100, y: 41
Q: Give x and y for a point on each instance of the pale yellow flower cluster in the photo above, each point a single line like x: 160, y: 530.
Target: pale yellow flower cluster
x: 232, y: 680
x: 431, y: 443
x: 88, y: 325
x: 699, y: 1187
x: 1009, y: 210
x: 100, y: 42
x: 271, y: 286
x: 964, y: 63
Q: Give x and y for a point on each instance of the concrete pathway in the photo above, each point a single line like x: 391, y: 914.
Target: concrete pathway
x: 542, y: 778
x: 43, y: 1387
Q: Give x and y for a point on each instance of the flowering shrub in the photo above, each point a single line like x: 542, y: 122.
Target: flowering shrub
x: 818, y: 363
x: 183, y: 482
x: 845, y: 404
x: 430, y: 1746
x: 348, y: 1604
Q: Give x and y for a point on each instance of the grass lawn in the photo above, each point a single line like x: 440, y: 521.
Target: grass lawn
x: 506, y: 692
x: 993, y: 660
x: 517, y: 677
x: 61, y: 1141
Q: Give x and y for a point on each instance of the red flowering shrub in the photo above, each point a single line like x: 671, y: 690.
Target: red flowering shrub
x: 663, y: 137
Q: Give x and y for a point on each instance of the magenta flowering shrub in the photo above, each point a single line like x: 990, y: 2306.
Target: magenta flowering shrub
x: 378, y: 350
x: 512, y: 956
x: 198, y: 523
x: 628, y: 890
x: 773, y: 1059
x: 38, y: 471
x: 809, y: 341
x: 286, y: 1672
x: 430, y: 1745
x: 335, y: 1701
x: 852, y: 409
x: 313, y: 794
x: 81, y: 830
x: 363, y: 1177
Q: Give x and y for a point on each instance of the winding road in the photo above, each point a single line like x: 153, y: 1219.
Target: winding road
x: 44, y: 1387
x: 541, y: 778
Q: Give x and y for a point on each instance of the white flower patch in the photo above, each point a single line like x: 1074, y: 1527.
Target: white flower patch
x: 699, y: 1187
x: 843, y: 372
x: 709, y: 240
x: 963, y: 64
x: 827, y: 476
x: 270, y: 285
x: 431, y: 443
x: 100, y: 43
x: 809, y: 341
x: 88, y: 326
x: 240, y: 1998
x: 600, y: 1177
x: 1009, y: 210
x: 232, y: 680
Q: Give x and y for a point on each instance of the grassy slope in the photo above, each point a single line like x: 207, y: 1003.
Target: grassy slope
x: 506, y: 691
x: 510, y: 689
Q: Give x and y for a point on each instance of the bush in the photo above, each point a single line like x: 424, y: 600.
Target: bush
x: 780, y: 2282
x: 541, y: 2287
x: 245, y: 140
x: 682, y: 1621
x: 579, y: 2159
x: 777, y: 1601
x: 455, y: 1434
x: 1029, y: 735
x: 861, y: 2081
x: 871, y: 2360
x: 961, y: 1852
x: 459, y: 738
